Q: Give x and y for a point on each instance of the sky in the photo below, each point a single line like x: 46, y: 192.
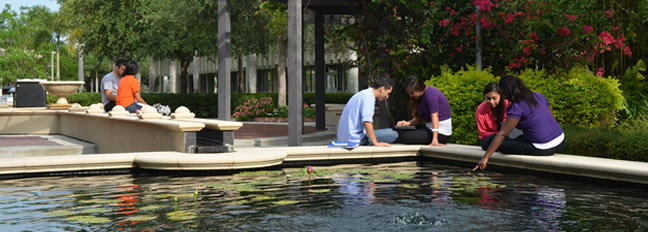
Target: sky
x: 15, y: 4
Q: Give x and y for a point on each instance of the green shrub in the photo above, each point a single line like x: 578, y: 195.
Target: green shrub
x: 587, y: 141
x: 578, y: 97
x: 617, y: 143
x: 337, y: 98
x: 282, y: 112
x: 464, y: 92
x: 253, y: 108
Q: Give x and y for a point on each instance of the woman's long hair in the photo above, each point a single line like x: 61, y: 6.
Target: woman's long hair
x: 513, y: 89
x: 498, y: 111
x: 415, y: 84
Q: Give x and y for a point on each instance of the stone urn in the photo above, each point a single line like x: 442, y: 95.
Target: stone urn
x: 61, y: 89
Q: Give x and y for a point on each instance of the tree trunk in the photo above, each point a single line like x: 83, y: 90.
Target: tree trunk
x: 281, y: 70
x: 184, y: 74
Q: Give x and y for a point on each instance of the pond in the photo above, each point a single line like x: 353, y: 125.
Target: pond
x: 402, y: 196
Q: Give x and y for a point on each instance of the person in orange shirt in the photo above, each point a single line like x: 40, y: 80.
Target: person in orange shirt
x: 128, y: 92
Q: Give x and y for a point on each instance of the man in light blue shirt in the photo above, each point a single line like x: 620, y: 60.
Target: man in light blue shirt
x: 109, y: 84
x: 356, y: 122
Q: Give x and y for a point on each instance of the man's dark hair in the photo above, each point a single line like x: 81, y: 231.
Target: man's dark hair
x: 383, y: 81
x: 131, y: 68
x: 121, y: 61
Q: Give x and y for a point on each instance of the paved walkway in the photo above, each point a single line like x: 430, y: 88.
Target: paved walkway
x: 265, y: 130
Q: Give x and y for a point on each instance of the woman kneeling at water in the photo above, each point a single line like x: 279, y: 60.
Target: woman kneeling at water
x: 529, y: 112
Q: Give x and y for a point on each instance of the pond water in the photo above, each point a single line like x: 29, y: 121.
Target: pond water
x: 403, y: 196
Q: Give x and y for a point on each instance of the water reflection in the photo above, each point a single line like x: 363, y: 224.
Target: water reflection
x: 403, y: 196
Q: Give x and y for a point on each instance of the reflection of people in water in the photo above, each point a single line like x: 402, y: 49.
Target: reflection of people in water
x: 548, y: 207
x: 128, y: 203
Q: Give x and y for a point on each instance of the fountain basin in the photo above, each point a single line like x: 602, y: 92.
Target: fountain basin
x: 61, y: 89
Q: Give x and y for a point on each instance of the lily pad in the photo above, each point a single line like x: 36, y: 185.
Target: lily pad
x: 319, y: 190
x: 261, y: 198
x: 239, y: 202
x: 168, y: 195
x: 95, y: 210
x: 99, y: 201
x: 181, y: 215
x: 285, y: 202
x: 260, y: 173
x: 409, y: 186
x: 61, y: 213
x: 151, y: 207
x: 142, y: 218
x: 88, y: 219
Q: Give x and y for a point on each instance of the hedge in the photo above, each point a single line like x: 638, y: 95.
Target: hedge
x: 204, y: 105
x: 606, y: 143
x: 577, y: 97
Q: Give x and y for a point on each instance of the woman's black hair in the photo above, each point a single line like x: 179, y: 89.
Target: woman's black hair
x: 415, y: 84
x: 131, y: 68
x: 498, y: 112
x: 513, y: 89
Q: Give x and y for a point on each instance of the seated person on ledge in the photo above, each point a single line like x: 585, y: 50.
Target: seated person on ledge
x: 128, y: 93
x: 491, y: 113
x: 109, y: 84
x: 427, y: 104
x: 530, y: 112
x: 356, y: 122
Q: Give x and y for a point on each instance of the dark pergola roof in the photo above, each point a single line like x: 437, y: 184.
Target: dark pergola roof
x: 331, y: 7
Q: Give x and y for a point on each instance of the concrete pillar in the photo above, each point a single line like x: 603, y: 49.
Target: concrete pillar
x: 252, y: 73
x: 80, y: 69
x: 171, y: 83
x: 224, y: 60
x: 320, y: 68
x: 164, y: 85
x: 295, y: 91
x: 152, y: 76
x: 196, y: 73
x: 352, y: 75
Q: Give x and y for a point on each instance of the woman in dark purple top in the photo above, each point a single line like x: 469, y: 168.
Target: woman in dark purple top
x: 529, y: 112
x: 430, y: 105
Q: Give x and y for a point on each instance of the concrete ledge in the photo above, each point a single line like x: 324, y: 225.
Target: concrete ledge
x: 321, y: 153
x: 592, y: 167
x: 217, y: 161
x: 213, y: 123
x: 66, y: 163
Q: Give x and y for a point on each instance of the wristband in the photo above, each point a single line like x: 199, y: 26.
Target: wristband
x: 433, y: 130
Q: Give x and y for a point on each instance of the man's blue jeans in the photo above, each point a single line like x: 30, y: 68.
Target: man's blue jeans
x: 387, y: 135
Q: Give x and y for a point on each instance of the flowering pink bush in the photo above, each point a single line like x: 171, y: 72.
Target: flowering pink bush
x: 253, y: 108
x: 422, y: 36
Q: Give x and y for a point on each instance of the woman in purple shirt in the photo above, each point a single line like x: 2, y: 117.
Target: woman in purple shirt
x: 529, y: 112
x: 430, y: 105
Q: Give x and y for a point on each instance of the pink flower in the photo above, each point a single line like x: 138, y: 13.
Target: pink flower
x: 432, y: 3
x: 444, y: 22
x: 453, y: 12
x: 627, y: 52
x: 563, y: 31
x: 599, y: 72
x: 606, y: 38
x: 608, y: 13
x: 570, y: 17
x: 534, y: 36
x: 526, y: 51
x: 587, y: 29
x: 484, y: 5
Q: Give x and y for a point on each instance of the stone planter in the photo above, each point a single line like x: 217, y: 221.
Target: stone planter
x: 276, y: 119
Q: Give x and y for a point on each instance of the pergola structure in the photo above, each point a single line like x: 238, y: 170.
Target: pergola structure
x: 295, y: 59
